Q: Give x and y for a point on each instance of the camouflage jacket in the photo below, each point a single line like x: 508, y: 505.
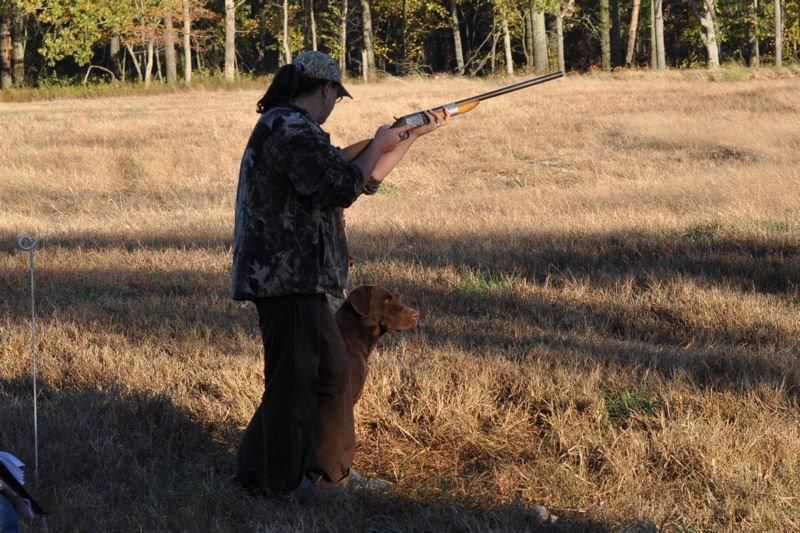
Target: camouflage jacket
x: 289, y: 233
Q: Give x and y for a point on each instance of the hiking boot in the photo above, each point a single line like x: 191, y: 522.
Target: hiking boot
x: 311, y: 491
x: 356, y: 482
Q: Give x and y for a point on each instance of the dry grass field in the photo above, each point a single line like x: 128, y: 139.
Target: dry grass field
x: 607, y: 268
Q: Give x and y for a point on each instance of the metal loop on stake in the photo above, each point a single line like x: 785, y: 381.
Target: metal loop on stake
x: 28, y: 244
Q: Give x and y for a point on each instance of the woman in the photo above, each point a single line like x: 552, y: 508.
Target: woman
x: 290, y: 251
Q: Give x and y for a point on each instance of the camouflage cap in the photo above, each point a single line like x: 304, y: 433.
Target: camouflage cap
x: 321, y: 66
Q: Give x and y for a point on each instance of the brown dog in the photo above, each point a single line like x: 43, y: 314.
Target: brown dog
x: 368, y: 313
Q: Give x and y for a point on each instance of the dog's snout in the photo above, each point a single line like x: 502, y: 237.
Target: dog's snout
x: 414, y: 315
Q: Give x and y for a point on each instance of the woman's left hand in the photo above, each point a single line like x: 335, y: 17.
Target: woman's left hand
x: 434, y: 122
x: 390, y: 159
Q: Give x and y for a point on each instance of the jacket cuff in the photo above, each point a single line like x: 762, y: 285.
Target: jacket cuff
x: 371, y: 186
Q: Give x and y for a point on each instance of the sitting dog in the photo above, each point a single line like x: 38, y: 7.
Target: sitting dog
x: 367, y: 314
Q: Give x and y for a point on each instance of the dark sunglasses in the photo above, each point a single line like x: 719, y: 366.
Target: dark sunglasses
x: 338, y: 98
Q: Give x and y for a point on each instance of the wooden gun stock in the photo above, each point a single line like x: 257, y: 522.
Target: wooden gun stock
x: 354, y: 150
x: 456, y: 108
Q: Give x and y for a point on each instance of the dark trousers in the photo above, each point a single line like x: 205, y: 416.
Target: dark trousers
x: 304, y: 424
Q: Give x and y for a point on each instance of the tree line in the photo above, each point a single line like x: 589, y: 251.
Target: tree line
x: 49, y: 41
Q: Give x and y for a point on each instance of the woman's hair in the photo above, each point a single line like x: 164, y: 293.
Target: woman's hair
x: 288, y: 84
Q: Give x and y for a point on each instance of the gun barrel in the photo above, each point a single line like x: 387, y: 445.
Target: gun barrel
x: 512, y: 88
x: 468, y: 104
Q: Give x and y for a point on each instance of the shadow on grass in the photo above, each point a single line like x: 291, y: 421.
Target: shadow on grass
x: 140, y: 303
x: 582, y: 336
x: 707, y: 254
x: 111, y: 459
x: 765, y: 260
x: 113, y: 241
x: 121, y: 460
x: 137, y: 303
x: 656, y: 336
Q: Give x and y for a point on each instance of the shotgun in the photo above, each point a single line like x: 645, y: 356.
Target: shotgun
x: 455, y: 108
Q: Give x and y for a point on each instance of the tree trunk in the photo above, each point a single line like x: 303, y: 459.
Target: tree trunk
x: 495, y: 38
x: 457, y: 38
x: 364, y: 73
x: 632, y: 33
x: 653, y: 51
x: 506, y: 39
x: 6, y: 54
x: 343, y: 38
x: 158, y: 66
x: 19, y: 39
x: 617, y: 54
x: 541, y: 61
x: 135, y: 61
x: 709, y: 35
x: 605, y: 34
x: 148, y: 71
x: 778, y: 35
x: 755, y: 53
x: 661, y: 56
x: 562, y: 67
x: 307, y: 7
x: 287, y: 51
x: 187, y: 42
x: 198, y: 56
x: 169, y: 49
x: 114, y: 50
x: 527, y: 38
x: 230, y: 40
x: 309, y: 25
x: 404, y: 37
x: 366, y: 24
x: 313, y: 27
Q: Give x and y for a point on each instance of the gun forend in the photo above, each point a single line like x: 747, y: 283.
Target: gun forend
x: 420, y: 119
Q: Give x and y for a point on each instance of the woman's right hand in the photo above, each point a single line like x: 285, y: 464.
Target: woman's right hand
x: 388, y: 138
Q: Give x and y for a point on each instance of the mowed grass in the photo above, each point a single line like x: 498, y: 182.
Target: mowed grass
x: 607, y: 270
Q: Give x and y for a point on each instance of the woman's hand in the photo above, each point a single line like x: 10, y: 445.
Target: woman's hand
x: 387, y: 138
x: 383, y: 152
x: 393, y: 143
x: 434, y: 122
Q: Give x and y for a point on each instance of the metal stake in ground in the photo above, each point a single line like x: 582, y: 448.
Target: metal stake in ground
x: 28, y: 244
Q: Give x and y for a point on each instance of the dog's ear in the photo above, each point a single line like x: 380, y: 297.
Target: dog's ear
x: 359, y: 298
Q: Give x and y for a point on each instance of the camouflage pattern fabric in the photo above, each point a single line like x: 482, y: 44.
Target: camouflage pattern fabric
x: 321, y: 66
x: 289, y: 235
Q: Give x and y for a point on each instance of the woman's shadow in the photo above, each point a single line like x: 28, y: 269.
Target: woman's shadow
x: 112, y: 459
